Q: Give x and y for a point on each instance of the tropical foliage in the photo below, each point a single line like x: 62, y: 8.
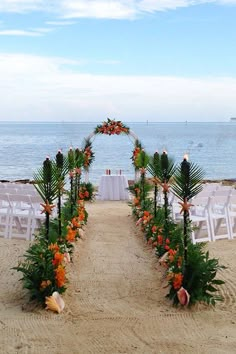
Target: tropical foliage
x: 43, y: 265
x: 190, y: 272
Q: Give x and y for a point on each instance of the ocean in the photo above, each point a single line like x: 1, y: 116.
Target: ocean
x: 24, y: 146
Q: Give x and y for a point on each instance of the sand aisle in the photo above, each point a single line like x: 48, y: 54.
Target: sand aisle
x: 115, y: 299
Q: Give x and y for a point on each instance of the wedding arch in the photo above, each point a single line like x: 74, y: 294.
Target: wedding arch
x: 111, y: 127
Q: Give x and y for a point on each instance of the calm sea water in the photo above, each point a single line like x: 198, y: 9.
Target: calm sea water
x: 24, y: 146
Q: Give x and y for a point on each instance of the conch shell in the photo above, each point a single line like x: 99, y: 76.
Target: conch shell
x: 67, y: 257
x: 55, y: 302
x: 81, y: 233
x: 163, y: 259
x: 183, y: 296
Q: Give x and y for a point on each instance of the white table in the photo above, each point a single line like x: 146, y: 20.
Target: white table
x: 113, y: 187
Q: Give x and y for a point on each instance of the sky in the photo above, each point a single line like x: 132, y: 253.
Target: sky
x: 131, y: 60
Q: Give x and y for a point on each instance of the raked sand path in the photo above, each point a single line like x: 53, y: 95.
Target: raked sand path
x: 115, y: 302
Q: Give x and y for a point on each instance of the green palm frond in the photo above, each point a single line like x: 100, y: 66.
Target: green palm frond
x: 142, y: 159
x: 155, y: 168
x: 79, y: 158
x: 47, y: 188
x: 188, y: 187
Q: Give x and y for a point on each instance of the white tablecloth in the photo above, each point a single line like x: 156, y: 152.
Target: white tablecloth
x: 113, y: 187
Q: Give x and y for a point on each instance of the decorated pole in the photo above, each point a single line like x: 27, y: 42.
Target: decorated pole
x: 47, y: 175
x: 156, y: 161
x: 185, y: 171
x: 164, y: 167
x: 71, y: 162
x: 59, y: 163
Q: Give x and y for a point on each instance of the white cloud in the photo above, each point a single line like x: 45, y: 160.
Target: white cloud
x: 19, y: 33
x: 112, y: 9
x: 99, y: 9
x: 27, y: 33
x: 21, y: 6
x: 42, y: 89
x: 60, y: 23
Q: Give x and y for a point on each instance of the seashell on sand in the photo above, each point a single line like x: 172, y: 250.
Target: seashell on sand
x: 55, y: 302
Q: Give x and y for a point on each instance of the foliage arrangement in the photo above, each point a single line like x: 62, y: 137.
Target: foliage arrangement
x: 88, y: 154
x: 135, y: 154
x: 43, y: 266
x: 86, y: 191
x: 189, y: 271
x: 111, y: 127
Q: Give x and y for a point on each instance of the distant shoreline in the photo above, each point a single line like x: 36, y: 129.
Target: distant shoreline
x: 228, y: 181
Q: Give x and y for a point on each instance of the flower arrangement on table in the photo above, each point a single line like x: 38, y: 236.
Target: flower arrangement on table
x: 112, y: 127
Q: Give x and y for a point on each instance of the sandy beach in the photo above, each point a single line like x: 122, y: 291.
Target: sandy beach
x: 115, y: 302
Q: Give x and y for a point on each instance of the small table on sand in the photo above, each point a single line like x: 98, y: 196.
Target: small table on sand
x: 113, y: 187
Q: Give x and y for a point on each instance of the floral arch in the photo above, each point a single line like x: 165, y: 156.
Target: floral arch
x: 109, y: 127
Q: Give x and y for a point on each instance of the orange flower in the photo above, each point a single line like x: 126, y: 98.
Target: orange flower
x: 177, y: 280
x: 81, y: 217
x: 159, y: 239
x: 60, y: 276
x: 154, y: 229
x: 80, y: 202
x: 75, y: 223
x: 53, y: 247
x: 58, y: 258
x: 172, y: 254
x: 71, y: 235
x: 44, y: 284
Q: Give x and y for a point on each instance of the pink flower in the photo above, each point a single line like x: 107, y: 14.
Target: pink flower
x: 139, y: 221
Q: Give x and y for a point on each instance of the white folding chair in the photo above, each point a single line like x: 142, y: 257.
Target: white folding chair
x: 232, y: 215
x: 5, y: 210
x: 223, y: 191
x: 175, y: 207
x: 37, y: 217
x: 218, y: 217
x: 20, y: 216
x: 199, y: 215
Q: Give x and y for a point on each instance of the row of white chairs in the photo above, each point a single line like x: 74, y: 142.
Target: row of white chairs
x: 217, y: 190
x: 213, y: 217
x: 22, y: 186
x: 20, y: 215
